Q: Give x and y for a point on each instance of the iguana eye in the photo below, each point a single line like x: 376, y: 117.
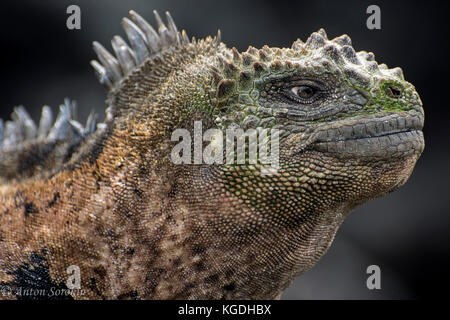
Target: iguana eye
x: 304, y: 92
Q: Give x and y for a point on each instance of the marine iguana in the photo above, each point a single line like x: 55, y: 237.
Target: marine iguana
x: 108, y: 199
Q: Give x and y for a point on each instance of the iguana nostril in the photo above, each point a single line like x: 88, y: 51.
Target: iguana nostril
x: 393, y: 92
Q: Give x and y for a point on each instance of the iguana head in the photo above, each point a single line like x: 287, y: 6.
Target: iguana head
x: 328, y: 99
x: 351, y: 128
x: 332, y: 99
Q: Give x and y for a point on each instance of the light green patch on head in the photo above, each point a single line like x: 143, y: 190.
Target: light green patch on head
x: 389, y: 96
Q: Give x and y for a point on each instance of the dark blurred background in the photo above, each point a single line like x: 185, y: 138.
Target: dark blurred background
x: 406, y: 233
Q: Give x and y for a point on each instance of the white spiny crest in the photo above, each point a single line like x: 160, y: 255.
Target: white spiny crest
x: 22, y: 128
x: 144, y: 41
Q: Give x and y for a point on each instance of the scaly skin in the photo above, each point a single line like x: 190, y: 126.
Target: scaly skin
x: 140, y: 226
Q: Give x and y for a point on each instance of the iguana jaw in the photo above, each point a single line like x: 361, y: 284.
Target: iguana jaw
x: 387, y: 136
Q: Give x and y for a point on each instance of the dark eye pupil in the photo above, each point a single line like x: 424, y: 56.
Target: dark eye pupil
x: 305, y: 92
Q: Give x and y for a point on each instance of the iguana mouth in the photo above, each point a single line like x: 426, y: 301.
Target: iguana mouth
x: 386, y: 136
